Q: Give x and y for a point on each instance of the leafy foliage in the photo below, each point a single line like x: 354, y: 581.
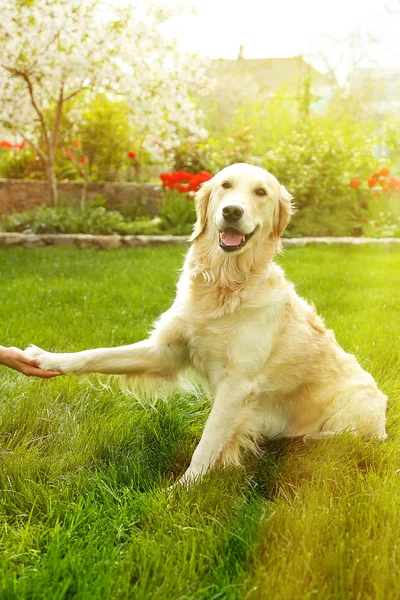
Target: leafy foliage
x: 96, y: 221
x: 177, y: 213
x: 212, y: 155
x: 315, y: 166
x: 21, y: 164
x: 105, y: 134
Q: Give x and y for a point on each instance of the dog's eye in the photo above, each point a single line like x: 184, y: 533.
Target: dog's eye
x: 261, y: 192
x: 226, y: 185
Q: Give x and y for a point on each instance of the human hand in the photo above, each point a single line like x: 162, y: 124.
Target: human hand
x: 16, y: 359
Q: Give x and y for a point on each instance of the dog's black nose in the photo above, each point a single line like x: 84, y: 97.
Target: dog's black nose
x: 232, y: 212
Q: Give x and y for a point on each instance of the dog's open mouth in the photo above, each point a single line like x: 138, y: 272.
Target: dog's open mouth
x: 231, y: 239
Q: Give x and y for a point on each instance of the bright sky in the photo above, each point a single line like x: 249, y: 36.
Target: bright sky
x: 286, y: 27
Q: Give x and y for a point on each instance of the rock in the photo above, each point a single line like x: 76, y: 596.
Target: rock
x: 32, y: 240
x: 11, y: 239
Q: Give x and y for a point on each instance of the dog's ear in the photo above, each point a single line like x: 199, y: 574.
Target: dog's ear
x: 282, y: 213
x: 201, y: 200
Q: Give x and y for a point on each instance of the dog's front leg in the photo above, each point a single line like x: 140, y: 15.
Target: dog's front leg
x: 222, y: 427
x: 164, y: 354
x: 137, y: 359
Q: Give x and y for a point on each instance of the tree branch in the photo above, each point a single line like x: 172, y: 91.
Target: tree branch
x: 34, y: 146
x: 57, y: 118
x: 74, y: 93
x: 28, y: 82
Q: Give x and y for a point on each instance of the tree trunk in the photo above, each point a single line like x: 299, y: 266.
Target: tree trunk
x: 52, y: 181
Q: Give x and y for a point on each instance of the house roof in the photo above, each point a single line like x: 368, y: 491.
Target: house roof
x: 269, y: 73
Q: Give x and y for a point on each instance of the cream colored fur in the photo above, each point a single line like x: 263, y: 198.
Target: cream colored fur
x: 272, y: 367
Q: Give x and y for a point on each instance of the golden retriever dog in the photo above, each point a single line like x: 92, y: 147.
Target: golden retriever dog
x: 272, y: 367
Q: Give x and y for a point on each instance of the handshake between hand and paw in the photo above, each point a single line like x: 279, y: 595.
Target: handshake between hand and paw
x: 16, y: 359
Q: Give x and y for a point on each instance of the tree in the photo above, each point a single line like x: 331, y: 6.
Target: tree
x: 52, y: 50
x: 338, y: 57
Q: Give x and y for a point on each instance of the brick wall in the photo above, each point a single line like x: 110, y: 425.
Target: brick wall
x: 20, y: 194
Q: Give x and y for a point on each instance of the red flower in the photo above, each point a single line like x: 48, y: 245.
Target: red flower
x: 394, y: 184
x: 166, y: 180
x: 21, y: 145
x: 184, y: 188
x: 377, y: 194
x: 355, y: 183
x: 82, y: 160
x: 198, y: 179
x: 132, y: 155
x: 180, y: 176
x: 371, y: 181
x: 6, y: 145
x: 384, y: 184
x: 68, y: 152
x: 77, y: 144
x: 384, y: 171
x: 183, y: 181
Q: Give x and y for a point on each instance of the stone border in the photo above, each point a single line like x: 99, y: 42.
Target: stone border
x: 108, y: 242
x: 81, y: 240
x: 329, y: 241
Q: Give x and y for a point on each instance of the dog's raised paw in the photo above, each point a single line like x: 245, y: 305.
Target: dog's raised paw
x: 47, y: 360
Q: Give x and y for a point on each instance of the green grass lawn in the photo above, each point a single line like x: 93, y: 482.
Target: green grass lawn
x: 84, y: 509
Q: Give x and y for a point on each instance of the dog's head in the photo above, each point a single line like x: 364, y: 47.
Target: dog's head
x: 240, y: 205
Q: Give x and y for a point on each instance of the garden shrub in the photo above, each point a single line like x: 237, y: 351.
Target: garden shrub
x: 21, y: 163
x: 105, y: 137
x: 177, y: 213
x: 212, y: 155
x: 267, y: 122
x: 316, y: 166
x: 96, y: 221
x: 389, y: 140
x: 379, y: 197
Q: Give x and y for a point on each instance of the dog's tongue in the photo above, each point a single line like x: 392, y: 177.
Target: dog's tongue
x: 231, y: 237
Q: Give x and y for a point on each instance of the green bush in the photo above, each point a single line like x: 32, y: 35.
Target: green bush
x: 96, y: 221
x: 315, y: 152
x: 379, y: 197
x: 177, y: 213
x: 21, y: 164
x: 389, y: 138
x: 213, y: 155
x: 96, y: 129
x: 267, y: 122
x: 383, y: 224
x: 105, y: 137
x: 316, y: 166
x: 176, y: 217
